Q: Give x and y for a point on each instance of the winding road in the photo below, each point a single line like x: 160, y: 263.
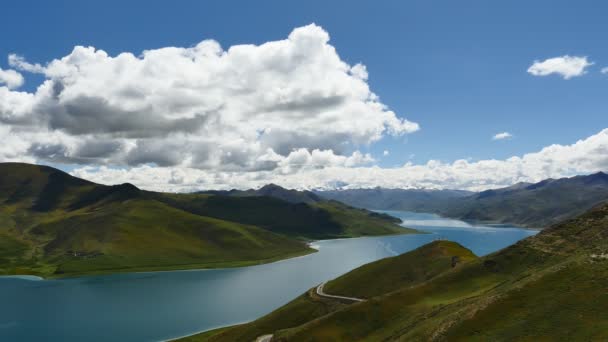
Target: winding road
x: 264, y: 338
x: 320, y: 293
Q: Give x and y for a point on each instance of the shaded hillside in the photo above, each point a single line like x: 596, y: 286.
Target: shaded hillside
x: 533, y: 205
x: 319, y: 220
x: 272, y: 190
x: 419, y: 200
x: 302, y: 214
x: 52, y: 223
x: 530, y: 205
x: 551, y: 286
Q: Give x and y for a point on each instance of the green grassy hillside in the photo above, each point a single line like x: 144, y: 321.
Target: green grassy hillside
x: 389, y: 274
x: 322, y: 220
x: 303, y: 213
x: 146, y: 234
x: 548, y: 287
x: 376, y: 278
x: 299, y: 311
x: 53, y: 224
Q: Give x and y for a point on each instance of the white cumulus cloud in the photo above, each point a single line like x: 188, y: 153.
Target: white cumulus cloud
x: 291, y: 112
x: 11, y: 79
x: 604, y: 70
x: 20, y: 63
x: 565, y: 66
x: 582, y: 157
x: 243, y: 108
x: 502, y: 136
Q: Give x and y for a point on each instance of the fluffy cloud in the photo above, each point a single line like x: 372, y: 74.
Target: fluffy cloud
x: 565, y: 66
x: 246, y: 108
x: 290, y: 112
x: 11, y: 79
x: 584, y: 156
x: 604, y: 70
x: 502, y: 136
x: 13, y: 146
x: 20, y: 63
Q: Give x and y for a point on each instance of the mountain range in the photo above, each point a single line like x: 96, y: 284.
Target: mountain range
x: 53, y: 224
x: 551, y: 286
x: 418, y: 200
x: 272, y: 190
x: 535, y: 205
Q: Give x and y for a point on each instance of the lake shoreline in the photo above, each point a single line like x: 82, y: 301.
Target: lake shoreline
x: 189, y: 302
x: 164, y: 269
x: 201, y: 267
x: 471, y: 222
x: 472, y: 225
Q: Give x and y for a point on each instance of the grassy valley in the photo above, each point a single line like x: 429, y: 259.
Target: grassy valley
x: 548, y: 287
x: 53, y: 224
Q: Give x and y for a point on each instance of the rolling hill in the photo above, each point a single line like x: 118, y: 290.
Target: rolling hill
x: 54, y: 224
x: 551, y: 286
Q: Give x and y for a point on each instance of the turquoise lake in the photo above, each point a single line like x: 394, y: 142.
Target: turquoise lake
x: 158, y: 306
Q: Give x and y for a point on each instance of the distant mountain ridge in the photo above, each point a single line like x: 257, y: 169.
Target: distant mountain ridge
x: 272, y: 190
x: 534, y: 205
x: 394, y: 199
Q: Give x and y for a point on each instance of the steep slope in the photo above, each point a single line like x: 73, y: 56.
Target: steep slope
x: 271, y: 190
x: 321, y: 220
x: 40, y: 188
x: 389, y: 274
x: 149, y: 235
x: 289, y: 195
x: 551, y: 286
x: 420, y: 200
x: 303, y: 213
x: 533, y: 205
x: 375, y: 278
x: 548, y: 287
x: 54, y: 224
x: 536, y: 205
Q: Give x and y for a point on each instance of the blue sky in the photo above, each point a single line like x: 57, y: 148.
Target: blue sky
x: 458, y: 69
